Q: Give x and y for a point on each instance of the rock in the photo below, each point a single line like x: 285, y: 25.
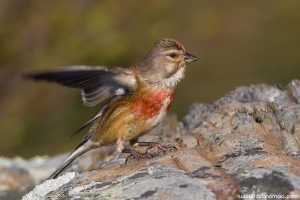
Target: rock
x: 245, y: 145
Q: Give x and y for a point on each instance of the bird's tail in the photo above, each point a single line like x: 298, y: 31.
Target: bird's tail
x: 83, y: 147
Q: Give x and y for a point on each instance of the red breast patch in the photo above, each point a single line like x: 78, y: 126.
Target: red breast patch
x: 151, y: 104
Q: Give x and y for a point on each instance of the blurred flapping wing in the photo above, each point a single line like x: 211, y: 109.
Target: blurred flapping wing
x: 96, y: 83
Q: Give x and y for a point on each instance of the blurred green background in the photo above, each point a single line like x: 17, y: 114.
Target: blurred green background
x: 237, y: 42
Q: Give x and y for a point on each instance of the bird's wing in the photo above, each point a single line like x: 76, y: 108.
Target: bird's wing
x: 96, y: 83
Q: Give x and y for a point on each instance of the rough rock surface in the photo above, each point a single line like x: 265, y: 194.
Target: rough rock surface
x: 244, y: 145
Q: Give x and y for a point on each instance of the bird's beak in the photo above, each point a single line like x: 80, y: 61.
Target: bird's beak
x: 188, y: 58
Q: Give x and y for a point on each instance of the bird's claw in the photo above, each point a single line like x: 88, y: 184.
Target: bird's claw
x: 160, y: 147
x: 136, y: 155
x: 157, y: 146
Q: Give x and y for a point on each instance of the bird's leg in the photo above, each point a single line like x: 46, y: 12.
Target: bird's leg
x: 155, y: 145
x: 135, y: 155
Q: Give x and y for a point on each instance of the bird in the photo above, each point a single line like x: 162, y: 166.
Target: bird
x: 138, y: 98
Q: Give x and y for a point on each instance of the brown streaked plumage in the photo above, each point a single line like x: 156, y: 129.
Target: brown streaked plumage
x: 140, y: 96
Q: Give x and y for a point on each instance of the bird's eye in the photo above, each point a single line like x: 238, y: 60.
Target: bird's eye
x: 173, y: 55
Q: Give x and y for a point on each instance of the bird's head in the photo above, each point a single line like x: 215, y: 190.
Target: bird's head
x: 165, y: 62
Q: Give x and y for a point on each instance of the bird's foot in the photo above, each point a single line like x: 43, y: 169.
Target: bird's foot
x: 156, y: 146
x: 135, y: 155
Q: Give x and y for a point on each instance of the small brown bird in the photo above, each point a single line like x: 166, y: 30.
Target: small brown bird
x: 140, y: 97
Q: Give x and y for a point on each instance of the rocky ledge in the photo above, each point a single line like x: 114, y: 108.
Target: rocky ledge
x: 244, y: 145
